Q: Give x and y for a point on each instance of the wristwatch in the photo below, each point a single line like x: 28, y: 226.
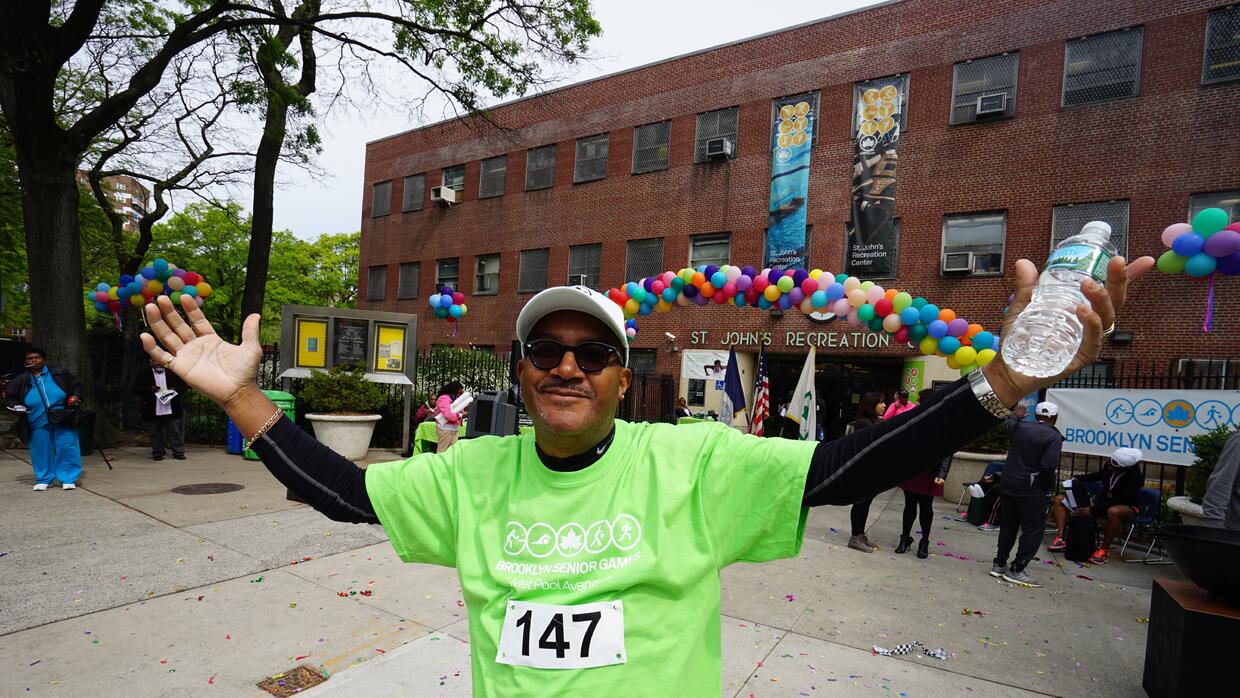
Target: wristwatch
x: 986, y: 395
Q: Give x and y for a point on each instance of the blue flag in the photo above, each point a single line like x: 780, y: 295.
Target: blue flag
x: 733, y: 393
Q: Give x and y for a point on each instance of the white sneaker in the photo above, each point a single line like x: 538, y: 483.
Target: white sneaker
x: 40, y: 487
x: 68, y: 486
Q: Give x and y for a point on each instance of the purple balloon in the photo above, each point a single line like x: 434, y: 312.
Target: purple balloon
x: 743, y: 282
x: 1223, y: 243
x: 700, y: 299
x: 446, y: 290
x: 796, y: 295
x: 798, y: 276
x: 958, y: 327
x: 748, y: 271
x: 774, y: 275
x: 179, y: 273
x: 648, y: 284
x: 1230, y: 264
x: 690, y: 291
x: 710, y: 271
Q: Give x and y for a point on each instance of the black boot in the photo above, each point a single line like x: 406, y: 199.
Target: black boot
x: 905, y: 541
x: 923, y: 548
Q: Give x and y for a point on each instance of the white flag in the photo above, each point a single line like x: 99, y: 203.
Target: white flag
x: 802, y: 407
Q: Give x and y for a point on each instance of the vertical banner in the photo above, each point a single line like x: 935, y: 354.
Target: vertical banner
x: 872, y: 239
x: 792, y: 137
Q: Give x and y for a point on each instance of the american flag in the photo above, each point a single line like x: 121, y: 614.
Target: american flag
x: 761, y: 397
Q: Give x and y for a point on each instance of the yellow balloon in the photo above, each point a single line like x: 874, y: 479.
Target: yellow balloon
x: 204, y: 289
x: 771, y: 293
x: 985, y: 356
x: 928, y: 345
x: 815, y: 274
x: 154, y: 286
x: 851, y: 284
x: 631, y: 306
x: 966, y: 355
x: 952, y: 363
x: 662, y: 306
x: 137, y: 300
x: 112, y: 294
x: 856, y: 298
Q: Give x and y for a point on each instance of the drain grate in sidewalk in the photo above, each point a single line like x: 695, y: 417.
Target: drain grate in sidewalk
x: 208, y: 488
x: 292, y: 682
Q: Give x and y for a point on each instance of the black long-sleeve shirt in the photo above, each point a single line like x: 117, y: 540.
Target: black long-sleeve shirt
x: 850, y: 469
x: 1032, y: 459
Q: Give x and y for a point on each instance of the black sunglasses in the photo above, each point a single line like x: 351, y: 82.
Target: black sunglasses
x: 591, y: 357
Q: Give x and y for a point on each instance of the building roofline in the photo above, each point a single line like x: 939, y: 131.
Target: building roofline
x: 644, y: 66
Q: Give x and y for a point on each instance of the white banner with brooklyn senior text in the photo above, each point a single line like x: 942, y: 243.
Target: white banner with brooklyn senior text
x: 1159, y: 422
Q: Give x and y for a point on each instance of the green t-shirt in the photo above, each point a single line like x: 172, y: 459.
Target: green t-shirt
x: 646, y: 529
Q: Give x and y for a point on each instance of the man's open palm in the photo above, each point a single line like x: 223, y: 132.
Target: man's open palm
x: 196, y: 353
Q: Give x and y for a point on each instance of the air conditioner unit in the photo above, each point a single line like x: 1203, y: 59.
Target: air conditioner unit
x: 576, y: 279
x: 993, y: 104
x: 957, y: 262
x: 718, y: 149
x: 446, y: 196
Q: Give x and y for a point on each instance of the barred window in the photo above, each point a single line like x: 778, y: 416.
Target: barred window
x: 983, y: 234
x: 454, y: 177
x: 591, y: 161
x: 1102, y: 67
x: 376, y: 283
x: 1222, y: 61
x: 584, y: 262
x: 697, y: 392
x: 715, y: 124
x: 1068, y: 220
x: 415, y: 190
x: 446, y: 273
x: 486, y: 282
x: 532, y: 276
x: 985, y: 88
x: 380, y: 199
x: 491, y: 181
x: 652, y: 147
x: 1229, y: 201
x: 644, y: 258
x: 710, y: 249
x: 540, y: 167
x: 642, y: 361
x: 409, y: 274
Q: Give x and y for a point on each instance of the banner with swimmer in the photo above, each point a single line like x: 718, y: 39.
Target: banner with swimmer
x: 792, y: 138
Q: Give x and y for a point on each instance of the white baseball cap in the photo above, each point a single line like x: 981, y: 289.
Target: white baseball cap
x: 580, y: 299
x: 1126, y: 457
x: 1046, y: 409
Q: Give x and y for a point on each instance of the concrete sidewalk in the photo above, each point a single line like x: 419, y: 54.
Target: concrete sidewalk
x: 126, y: 588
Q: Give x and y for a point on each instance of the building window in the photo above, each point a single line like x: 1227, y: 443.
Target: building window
x: 710, y: 249
x: 715, y: 124
x: 697, y: 392
x: 491, y: 181
x: 376, y: 283
x: 984, y: 89
x: 415, y: 189
x: 644, y: 258
x: 454, y: 177
x: 381, y: 199
x: 591, y: 159
x: 1229, y: 201
x: 486, y: 282
x: 1068, y: 221
x: 446, y: 273
x: 981, y: 234
x: 532, y: 276
x: 642, y: 361
x: 1102, y: 67
x: 652, y: 147
x: 540, y: 167
x: 583, y: 265
x: 407, y: 280
x: 1222, y: 61
x: 1203, y: 374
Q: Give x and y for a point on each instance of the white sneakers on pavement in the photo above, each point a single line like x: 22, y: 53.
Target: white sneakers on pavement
x: 40, y: 487
x: 68, y: 486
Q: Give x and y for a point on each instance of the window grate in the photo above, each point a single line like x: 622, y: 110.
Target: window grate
x: 585, y: 261
x: 1068, y: 220
x: 591, y: 161
x: 984, y: 80
x: 413, y: 194
x: 715, y: 124
x: 1229, y: 201
x: 532, y: 275
x: 540, y: 167
x: 447, y: 273
x: 407, y: 279
x: 642, y: 361
x: 381, y: 199
x: 491, y: 180
x: 644, y: 258
x: 652, y: 147
x: 1222, y: 60
x: 376, y: 283
x: 486, y: 281
x: 1103, y: 67
x: 710, y: 249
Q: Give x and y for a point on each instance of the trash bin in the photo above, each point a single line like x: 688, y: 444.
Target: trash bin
x: 235, y: 441
x: 286, y: 402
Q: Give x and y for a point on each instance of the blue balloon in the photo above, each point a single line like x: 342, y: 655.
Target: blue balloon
x: 739, y: 300
x: 189, y: 290
x: 937, y: 329
x: 983, y: 340
x: 644, y: 309
x: 445, y: 301
x: 835, y: 291
x: 455, y: 310
x: 669, y: 294
x: 101, y: 307
x: 949, y: 345
x: 718, y: 279
x: 630, y: 289
x: 433, y: 300
x: 102, y: 287
x: 929, y: 313
x: 125, y: 279
x: 785, y: 302
x: 148, y: 272
x: 160, y: 265
x: 1200, y: 265
x: 818, y: 299
x: 909, y: 316
x: 1188, y: 245
x: 763, y: 303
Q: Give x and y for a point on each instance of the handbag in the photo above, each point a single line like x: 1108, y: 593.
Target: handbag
x: 68, y: 417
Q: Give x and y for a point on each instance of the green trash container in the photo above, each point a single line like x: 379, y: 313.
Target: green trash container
x: 286, y: 402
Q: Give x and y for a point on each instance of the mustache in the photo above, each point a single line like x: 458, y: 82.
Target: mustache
x: 579, y: 386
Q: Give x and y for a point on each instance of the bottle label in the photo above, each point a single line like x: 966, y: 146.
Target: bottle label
x: 1086, y: 259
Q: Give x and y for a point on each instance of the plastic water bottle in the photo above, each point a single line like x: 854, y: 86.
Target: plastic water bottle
x: 1045, y: 337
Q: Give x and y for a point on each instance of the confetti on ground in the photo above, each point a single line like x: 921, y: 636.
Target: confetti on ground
x: 937, y: 653
x: 35, y: 662
x: 968, y: 612
x: 211, y: 558
x: 790, y: 597
x: 1081, y: 576
x: 292, y: 605
x: 298, y: 659
x: 256, y: 581
x: 211, y: 681
x: 1143, y: 620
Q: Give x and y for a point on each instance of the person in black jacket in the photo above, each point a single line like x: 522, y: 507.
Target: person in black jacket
x: 1025, y: 488
x: 869, y: 411
x: 1121, y: 485
x: 39, y: 396
x: 163, y: 415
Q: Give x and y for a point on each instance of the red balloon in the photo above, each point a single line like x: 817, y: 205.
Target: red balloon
x: 458, y: 298
x: 902, y: 335
x: 192, y: 277
x: 751, y: 295
x: 719, y: 298
x: 760, y: 283
x: 883, y: 307
x: 657, y: 287
x: 114, y: 305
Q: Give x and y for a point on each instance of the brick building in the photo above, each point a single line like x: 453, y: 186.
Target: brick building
x: 1120, y: 110
x: 130, y: 198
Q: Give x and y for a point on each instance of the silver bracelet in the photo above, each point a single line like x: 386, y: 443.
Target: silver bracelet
x: 986, y: 395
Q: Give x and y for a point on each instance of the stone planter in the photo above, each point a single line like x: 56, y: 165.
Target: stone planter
x: 966, y: 467
x: 346, y: 434
x: 1189, y: 512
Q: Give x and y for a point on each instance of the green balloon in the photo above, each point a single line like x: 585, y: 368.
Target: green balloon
x: 917, y: 332
x: 1171, y: 263
x: 901, y: 301
x: 841, y: 278
x: 784, y: 284
x: 876, y: 324
x: 867, y: 285
x: 919, y: 302
x: 866, y: 312
x: 1209, y: 221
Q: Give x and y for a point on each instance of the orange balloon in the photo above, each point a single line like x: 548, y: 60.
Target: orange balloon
x: 698, y: 279
x: 708, y: 289
x: 947, y: 315
x: 974, y: 328
x: 891, y: 294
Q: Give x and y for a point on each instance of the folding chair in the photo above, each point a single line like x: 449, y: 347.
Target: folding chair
x: 1148, y: 502
x: 992, y: 468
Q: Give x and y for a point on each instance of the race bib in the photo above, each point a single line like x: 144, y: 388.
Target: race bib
x: 562, y: 637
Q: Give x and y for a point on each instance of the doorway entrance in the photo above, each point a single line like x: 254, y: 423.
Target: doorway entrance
x: 839, y: 381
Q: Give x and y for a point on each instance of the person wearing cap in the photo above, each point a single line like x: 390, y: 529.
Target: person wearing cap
x: 589, y: 551
x: 1025, y: 489
x: 1121, y: 484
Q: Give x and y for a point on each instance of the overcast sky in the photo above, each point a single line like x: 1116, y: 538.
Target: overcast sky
x: 635, y: 32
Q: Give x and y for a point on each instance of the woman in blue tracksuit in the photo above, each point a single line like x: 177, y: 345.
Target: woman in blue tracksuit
x: 54, y: 450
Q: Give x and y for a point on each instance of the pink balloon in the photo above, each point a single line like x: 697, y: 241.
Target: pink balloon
x: 1173, y: 231
x: 808, y: 286
x: 1234, y: 226
x: 102, y: 296
x: 729, y: 290
x: 841, y: 307
x: 875, y: 294
x: 852, y: 317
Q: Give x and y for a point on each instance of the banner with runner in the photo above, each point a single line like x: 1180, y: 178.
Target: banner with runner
x: 872, y: 239
x: 1159, y: 422
x: 792, y: 137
